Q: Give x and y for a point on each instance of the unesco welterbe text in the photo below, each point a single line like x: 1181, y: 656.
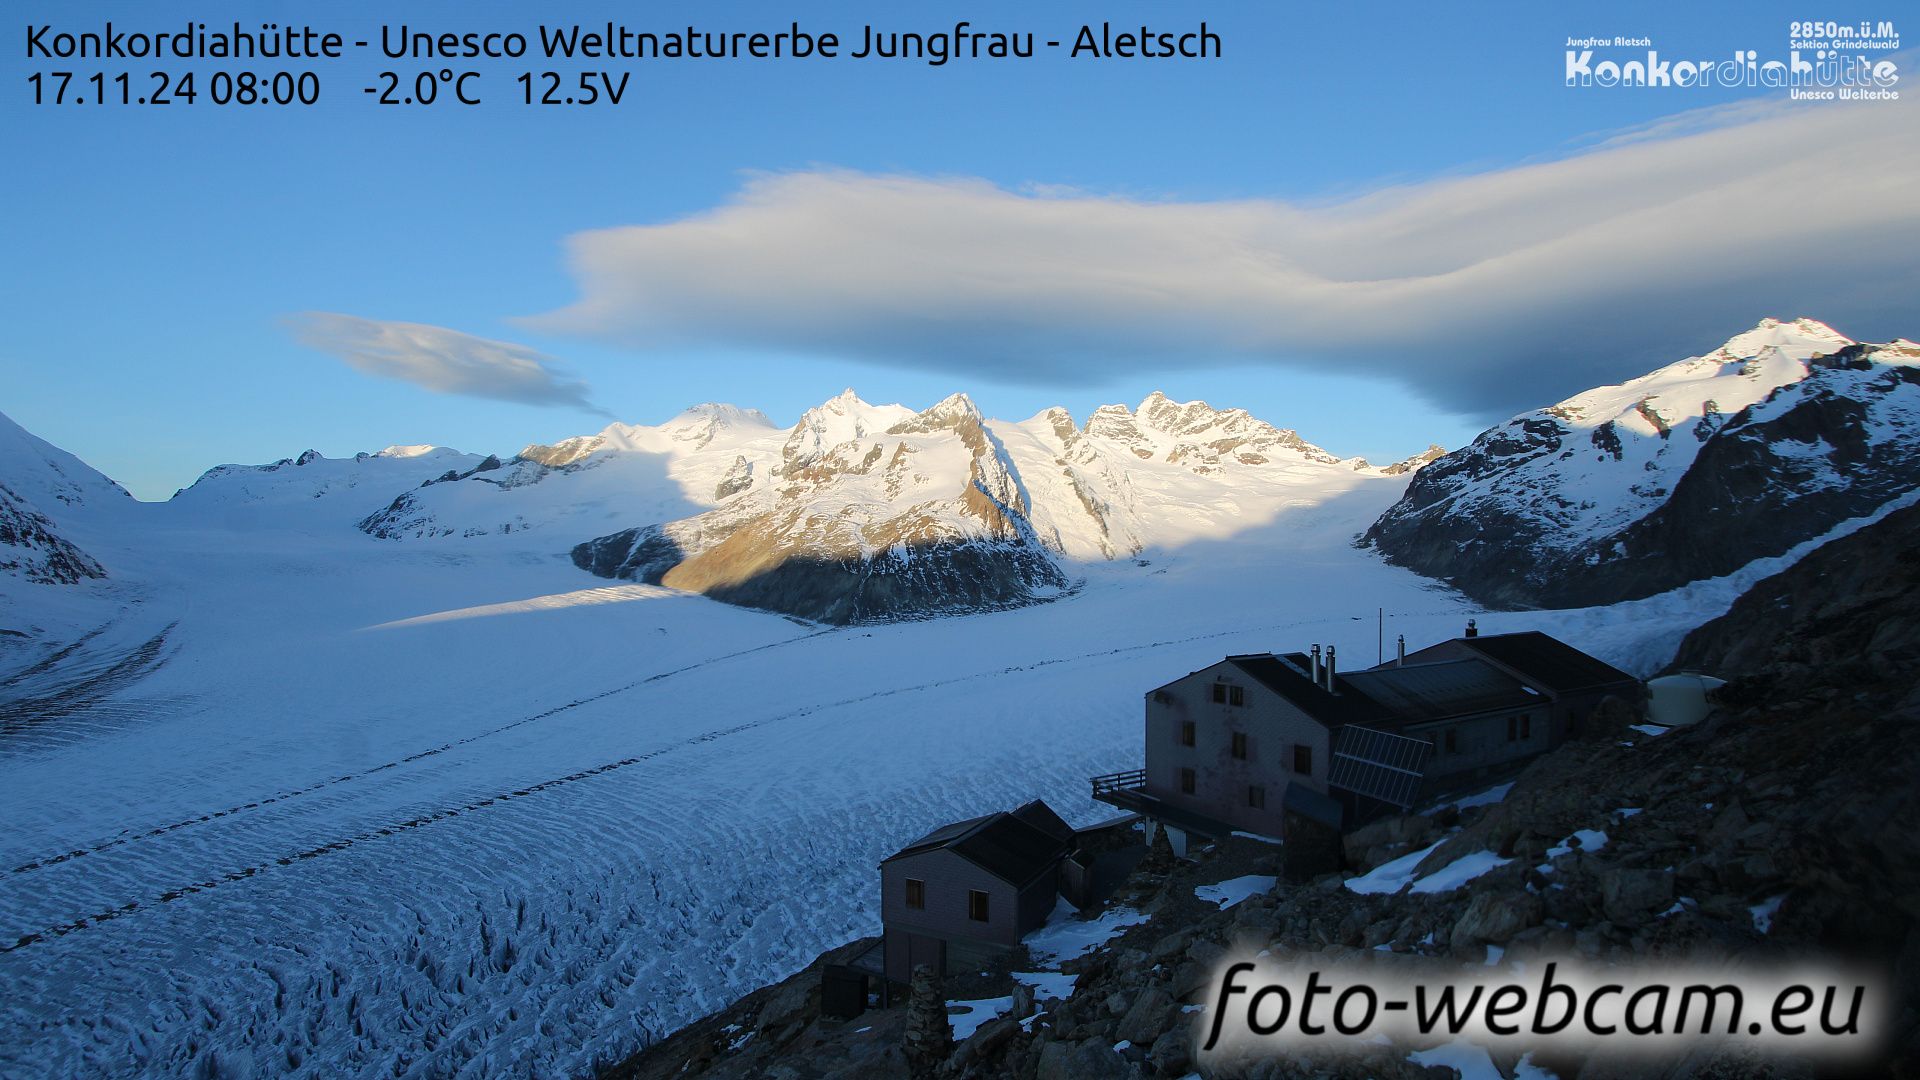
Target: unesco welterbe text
x: 936, y: 46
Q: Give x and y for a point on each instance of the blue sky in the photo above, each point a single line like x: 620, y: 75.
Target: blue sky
x: 155, y: 256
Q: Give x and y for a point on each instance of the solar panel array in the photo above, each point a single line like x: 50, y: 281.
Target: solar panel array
x: 1380, y: 766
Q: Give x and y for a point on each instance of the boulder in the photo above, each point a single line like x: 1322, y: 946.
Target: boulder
x: 1191, y: 979
x: 1632, y: 897
x: 1172, y: 1053
x: 1090, y: 1060
x: 1495, y: 917
x: 1152, y: 1013
x: 985, y: 1042
x: 1170, y: 947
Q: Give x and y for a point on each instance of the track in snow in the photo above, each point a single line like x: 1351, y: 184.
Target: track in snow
x: 345, y: 778
x: 79, y: 704
x: 473, y: 806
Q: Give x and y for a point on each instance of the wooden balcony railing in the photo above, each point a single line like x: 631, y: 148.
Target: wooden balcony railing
x: 1120, y: 781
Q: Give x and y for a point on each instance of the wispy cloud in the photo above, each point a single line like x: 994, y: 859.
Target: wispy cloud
x: 1482, y: 292
x: 442, y: 360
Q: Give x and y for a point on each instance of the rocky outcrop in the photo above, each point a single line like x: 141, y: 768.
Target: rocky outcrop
x: 861, y: 511
x: 1778, y: 830
x: 1434, y: 452
x: 1690, y: 472
x: 921, y: 517
x: 1846, y: 612
x: 32, y: 548
x: 409, y: 517
x: 46, y: 494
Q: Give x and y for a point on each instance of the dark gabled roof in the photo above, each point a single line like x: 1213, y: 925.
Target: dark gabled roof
x: 1421, y: 692
x: 941, y: 836
x: 1004, y: 845
x: 1546, y: 661
x: 1287, y: 676
x: 1041, y: 816
x: 1009, y: 849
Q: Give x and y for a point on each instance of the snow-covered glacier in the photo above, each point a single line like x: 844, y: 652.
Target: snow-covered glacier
x: 287, y: 798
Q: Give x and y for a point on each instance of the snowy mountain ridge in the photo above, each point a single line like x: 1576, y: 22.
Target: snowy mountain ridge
x: 49, y: 476
x: 43, y: 492
x: 695, y: 429
x: 861, y: 510
x: 448, y: 805
x: 1683, y: 473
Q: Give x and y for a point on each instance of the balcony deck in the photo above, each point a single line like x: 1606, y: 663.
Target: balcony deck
x: 1128, y: 791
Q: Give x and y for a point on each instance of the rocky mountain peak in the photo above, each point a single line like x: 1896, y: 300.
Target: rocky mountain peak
x: 1690, y: 471
x: 840, y: 419
x: 565, y: 452
x: 1798, y: 336
x: 1432, y: 453
x: 1162, y: 413
x: 952, y: 412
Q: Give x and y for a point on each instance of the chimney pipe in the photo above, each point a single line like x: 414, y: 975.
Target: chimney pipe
x: 1329, y: 672
x: 1472, y: 630
x: 1316, y: 664
x: 1401, y: 650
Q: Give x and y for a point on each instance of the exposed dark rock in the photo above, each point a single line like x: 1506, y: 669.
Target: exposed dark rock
x: 1493, y: 918
x: 798, y: 553
x: 31, y: 547
x: 738, y: 479
x: 1835, y: 445
x: 1631, y: 897
x: 1799, y: 795
x: 1147, y: 1017
x: 1847, y: 608
x: 644, y: 555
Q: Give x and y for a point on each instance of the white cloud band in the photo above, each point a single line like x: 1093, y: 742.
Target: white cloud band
x: 442, y: 360
x: 1476, y: 290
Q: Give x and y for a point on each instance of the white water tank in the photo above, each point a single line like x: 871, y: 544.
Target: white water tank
x: 1680, y: 700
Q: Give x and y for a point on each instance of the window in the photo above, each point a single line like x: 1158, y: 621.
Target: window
x: 976, y: 905
x: 1257, y: 797
x: 1186, y: 781
x: 1236, y: 695
x: 1219, y: 693
x: 1240, y: 745
x: 916, y: 894
x: 1453, y: 741
x: 1513, y: 728
x: 1303, y: 760
x: 1526, y: 725
x: 1186, y: 733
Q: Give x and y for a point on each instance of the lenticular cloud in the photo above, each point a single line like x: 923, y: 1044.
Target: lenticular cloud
x: 1481, y: 291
